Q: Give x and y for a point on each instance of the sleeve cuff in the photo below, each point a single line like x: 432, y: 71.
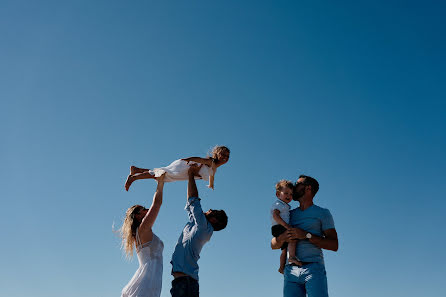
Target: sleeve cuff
x: 191, y: 200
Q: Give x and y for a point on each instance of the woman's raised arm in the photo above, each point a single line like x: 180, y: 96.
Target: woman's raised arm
x: 150, y: 217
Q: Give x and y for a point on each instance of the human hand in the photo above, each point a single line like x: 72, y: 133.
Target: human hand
x: 295, y: 233
x: 194, y: 169
x: 160, y: 179
x: 187, y: 160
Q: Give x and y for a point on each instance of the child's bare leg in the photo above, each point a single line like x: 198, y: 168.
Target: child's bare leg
x: 134, y: 169
x: 282, y: 261
x: 292, y: 252
x: 132, y: 177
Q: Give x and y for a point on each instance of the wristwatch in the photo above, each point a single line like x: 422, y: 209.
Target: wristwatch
x: 308, y: 236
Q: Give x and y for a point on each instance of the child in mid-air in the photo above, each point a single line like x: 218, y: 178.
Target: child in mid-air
x: 280, y: 217
x: 178, y: 169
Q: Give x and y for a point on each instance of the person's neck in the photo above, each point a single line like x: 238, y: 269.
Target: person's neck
x: 305, y: 203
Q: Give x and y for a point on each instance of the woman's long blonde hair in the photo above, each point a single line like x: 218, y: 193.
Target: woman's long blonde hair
x: 128, y: 230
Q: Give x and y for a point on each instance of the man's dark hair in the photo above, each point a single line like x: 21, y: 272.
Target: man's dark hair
x: 222, y: 220
x: 310, y: 181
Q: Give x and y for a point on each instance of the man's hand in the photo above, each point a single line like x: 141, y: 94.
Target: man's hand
x: 295, y: 233
x: 194, y: 169
x: 287, y: 236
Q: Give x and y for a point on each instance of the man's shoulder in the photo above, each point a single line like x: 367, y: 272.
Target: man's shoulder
x: 321, y: 210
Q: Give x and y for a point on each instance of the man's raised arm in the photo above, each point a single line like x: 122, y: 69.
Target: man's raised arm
x: 191, y: 185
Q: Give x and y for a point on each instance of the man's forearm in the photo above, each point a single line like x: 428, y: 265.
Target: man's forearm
x: 324, y: 243
x: 192, y: 187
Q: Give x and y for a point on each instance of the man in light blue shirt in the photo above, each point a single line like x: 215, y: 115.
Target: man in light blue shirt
x: 314, y: 227
x: 195, y: 234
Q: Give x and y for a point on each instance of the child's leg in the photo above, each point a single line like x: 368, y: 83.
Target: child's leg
x: 131, y: 178
x: 282, y: 261
x: 292, y: 252
x: 134, y: 169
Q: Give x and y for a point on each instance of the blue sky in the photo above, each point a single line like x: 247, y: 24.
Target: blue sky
x: 351, y: 93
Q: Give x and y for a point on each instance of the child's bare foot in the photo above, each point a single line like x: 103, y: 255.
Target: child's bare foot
x: 281, y: 269
x: 294, y: 260
x: 134, y: 169
x: 129, y: 181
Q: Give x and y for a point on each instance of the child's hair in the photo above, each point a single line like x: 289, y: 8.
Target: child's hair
x: 218, y: 149
x: 284, y: 183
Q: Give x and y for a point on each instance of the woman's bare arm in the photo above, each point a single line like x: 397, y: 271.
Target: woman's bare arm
x: 150, y: 218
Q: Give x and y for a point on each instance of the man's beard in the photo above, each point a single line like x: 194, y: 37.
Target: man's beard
x: 298, y: 195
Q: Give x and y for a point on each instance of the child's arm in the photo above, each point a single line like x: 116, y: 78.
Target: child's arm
x: 279, y: 220
x: 211, y: 182
x: 204, y: 161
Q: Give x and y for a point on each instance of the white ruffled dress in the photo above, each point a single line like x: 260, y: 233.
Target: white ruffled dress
x: 147, y: 280
x: 178, y: 171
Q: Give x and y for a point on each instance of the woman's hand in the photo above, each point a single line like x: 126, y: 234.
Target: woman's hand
x: 187, y: 160
x: 160, y: 179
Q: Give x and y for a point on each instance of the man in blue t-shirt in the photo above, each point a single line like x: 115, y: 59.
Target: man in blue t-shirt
x: 313, y: 227
x: 195, y: 234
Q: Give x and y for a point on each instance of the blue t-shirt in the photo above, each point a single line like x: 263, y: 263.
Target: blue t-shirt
x: 195, y: 234
x: 315, y: 220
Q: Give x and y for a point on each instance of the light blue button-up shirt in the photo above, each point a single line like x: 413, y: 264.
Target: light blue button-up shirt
x: 195, y: 234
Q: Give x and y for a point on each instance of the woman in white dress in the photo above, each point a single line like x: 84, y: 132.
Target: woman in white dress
x: 177, y: 170
x: 137, y: 231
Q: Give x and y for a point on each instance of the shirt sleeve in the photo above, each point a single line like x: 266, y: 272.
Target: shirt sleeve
x: 195, y: 211
x: 327, y: 221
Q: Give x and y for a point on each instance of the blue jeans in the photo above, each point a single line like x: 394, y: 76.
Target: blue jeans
x: 184, y: 286
x: 309, y: 279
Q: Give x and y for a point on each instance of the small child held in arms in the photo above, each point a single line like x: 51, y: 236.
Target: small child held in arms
x: 178, y: 169
x: 280, y: 217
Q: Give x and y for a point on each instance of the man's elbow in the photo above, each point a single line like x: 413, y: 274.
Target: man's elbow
x: 335, y: 247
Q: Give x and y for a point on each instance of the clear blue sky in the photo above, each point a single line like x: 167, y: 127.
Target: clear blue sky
x: 352, y: 93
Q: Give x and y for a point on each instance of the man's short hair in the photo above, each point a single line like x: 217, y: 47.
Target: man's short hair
x: 222, y: 220
x: 311, y: 182
x: 284, y: 184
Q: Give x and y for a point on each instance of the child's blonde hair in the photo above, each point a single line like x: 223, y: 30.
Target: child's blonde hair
x: 284, y: 183
x: 218, y: 149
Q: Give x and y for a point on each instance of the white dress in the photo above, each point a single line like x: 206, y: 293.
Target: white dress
x: 178, y: 171
x: 147, y: 280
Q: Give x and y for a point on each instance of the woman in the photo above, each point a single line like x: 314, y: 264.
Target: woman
x: 137, y: 231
